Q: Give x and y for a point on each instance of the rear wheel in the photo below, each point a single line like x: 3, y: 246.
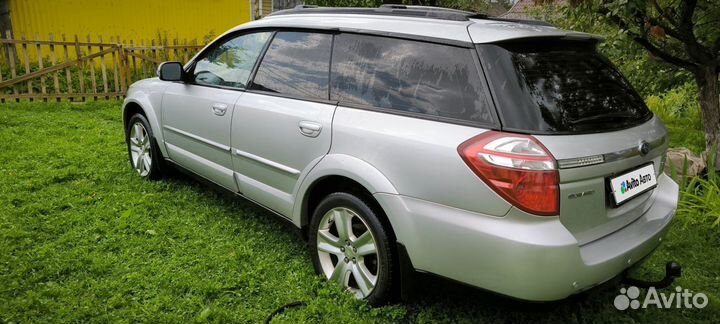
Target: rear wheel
x: 351, y: 247
x: 143, y: 152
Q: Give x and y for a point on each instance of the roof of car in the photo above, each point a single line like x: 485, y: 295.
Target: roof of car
x: 430, y: 22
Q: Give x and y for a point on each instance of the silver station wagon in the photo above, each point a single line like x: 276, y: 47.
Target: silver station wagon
x: 504, y: 154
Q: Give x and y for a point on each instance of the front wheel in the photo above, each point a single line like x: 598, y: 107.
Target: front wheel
x: 144, y: 154
x: 351, y: 247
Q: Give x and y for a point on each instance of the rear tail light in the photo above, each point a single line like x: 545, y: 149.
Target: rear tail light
x: 518, y: 167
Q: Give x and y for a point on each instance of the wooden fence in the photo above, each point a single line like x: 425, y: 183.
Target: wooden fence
x: 81, y: 69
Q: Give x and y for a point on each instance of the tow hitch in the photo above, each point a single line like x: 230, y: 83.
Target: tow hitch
x: 672, y: 270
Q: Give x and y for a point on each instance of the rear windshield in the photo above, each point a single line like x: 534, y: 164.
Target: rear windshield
x: 552, y: 87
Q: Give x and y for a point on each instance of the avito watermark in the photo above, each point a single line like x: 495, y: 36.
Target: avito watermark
x: 680, y: 298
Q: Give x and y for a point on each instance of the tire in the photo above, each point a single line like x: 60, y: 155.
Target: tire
x: 141, y: 142
x: 347, y: 257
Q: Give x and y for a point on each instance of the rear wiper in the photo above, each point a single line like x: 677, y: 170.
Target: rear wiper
x: 601, y: 118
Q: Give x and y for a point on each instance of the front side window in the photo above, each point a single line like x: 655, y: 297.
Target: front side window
x: 296, y: 64
x: 230, y: 63
x: 409, y: 76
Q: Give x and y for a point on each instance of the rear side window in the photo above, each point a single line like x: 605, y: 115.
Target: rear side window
x: 559, y: 87
x: 409, y: 76
x: 296, y: 64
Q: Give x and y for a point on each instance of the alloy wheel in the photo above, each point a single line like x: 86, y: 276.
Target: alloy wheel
x: 140, y: 152
x: 348, y: 251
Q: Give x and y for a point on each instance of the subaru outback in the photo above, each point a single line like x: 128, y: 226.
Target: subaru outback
x: 508, y: 155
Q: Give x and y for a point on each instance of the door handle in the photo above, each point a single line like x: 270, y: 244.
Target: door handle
x: 310, y: 129
x: 219, y: 109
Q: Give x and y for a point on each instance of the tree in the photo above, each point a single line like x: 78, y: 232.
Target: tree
x: 5, y: 24
x: 5, y: 27
x: 683, y: 33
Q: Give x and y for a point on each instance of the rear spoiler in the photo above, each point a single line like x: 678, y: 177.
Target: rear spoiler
x: 495, y: 30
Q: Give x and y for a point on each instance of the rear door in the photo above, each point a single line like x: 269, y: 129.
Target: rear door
x: 588, y: 207
x: 282, y: 125
x: 197, y: 114
x: 592, y: 121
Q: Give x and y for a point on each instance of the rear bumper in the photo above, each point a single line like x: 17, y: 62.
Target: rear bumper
x: 520, y: 255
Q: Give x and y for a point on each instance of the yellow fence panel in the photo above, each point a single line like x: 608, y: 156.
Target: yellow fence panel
x: 137, y: 20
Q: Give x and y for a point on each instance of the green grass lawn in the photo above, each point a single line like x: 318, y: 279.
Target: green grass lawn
x: 84, y: 239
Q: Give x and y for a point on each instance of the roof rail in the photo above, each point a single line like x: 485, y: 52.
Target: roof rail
x: 387, y: 10
x: 429, y: 8
x: 406, y: 11
x: 304, y: 6
x: 522, y: 21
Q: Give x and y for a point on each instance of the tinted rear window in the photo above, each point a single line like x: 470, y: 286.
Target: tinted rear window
x: 559, y: 87
x: 296, y: 64
x: 409, y: 76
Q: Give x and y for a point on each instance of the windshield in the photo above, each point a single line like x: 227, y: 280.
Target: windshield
x: 549, y: 87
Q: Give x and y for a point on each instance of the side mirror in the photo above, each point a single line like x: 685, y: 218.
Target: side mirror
x: 170, y: 71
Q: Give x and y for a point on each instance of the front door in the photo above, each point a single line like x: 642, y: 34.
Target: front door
x: 196, y: 128
x: 197, y: 114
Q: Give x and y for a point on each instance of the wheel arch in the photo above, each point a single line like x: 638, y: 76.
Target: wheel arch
x: 144, y: 105
x: 339, y: 172
x: 130, y: 109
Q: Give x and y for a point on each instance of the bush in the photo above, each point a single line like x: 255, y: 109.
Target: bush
x: 679, y: 102
x: 679, y: 109
x: 700, y: 196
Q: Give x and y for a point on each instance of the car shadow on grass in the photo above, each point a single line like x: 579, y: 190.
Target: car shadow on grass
x: 437, y: 292
x: 432, y: 297
x: 178, y: 176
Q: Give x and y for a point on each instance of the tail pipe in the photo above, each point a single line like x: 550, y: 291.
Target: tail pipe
x: 672, y: 270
